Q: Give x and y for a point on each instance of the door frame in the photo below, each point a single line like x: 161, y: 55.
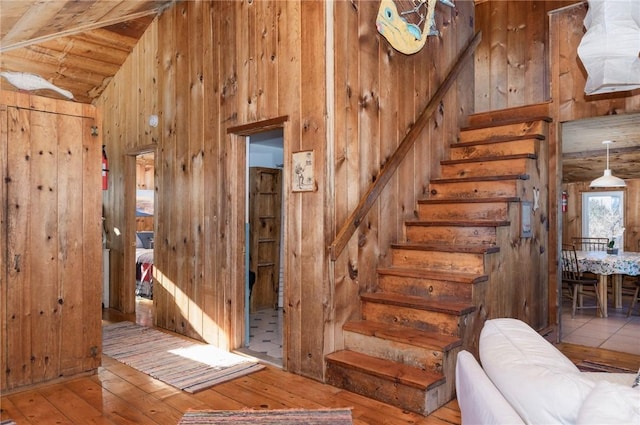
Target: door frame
x: 129, y: 249
x: 239, y: 138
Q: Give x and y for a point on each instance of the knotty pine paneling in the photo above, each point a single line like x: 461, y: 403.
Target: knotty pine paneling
x: 511, y: 68
x: 52, y: 267
x: 213, y: 66
x: 379, y: 93
x: 572, y: 218
x: 566, y: 31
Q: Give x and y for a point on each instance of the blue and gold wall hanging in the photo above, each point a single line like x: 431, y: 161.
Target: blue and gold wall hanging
x: 407, y: 24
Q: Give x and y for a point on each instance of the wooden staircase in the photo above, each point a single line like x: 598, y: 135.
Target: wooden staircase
x: 430, y: 302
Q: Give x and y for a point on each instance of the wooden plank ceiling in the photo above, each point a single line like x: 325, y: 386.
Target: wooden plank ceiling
x: 77, y: 45
x: 584, y: 155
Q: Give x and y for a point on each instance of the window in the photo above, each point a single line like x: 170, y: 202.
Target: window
x: 603, y: 215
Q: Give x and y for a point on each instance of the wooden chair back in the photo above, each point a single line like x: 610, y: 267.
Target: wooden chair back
x: 570, y: 267
x: 590, y: 244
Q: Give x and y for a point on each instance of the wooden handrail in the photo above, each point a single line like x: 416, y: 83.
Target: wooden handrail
x: 376, y: 187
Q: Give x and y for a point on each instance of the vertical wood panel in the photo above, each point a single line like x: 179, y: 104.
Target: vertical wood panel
x: 17, y: 370
x: 43, y: 242
x: 311, y: 204
x: 70, y: 204
x: 4, y: 261
x: 196, y: 153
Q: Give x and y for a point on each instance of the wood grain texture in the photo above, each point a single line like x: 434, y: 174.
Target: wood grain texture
x: 258, y: 63
x: 52, y: 327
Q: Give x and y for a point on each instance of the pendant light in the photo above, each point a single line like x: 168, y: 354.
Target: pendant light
x: 608, y: 180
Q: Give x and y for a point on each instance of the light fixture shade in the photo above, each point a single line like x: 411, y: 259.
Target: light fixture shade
x: 608, y: 180
x: 609, y: 49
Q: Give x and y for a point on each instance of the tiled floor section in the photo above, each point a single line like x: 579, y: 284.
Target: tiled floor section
x: 616, y: 332
x: 265, y: 335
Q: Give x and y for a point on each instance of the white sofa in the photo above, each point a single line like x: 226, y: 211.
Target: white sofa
x: 524, y: 379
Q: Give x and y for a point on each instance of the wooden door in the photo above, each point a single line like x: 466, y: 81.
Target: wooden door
x: 265, y: 204
x: 51, y: 269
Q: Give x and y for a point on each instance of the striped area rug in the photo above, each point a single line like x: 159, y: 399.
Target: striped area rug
x: 268, y: 417
x: 189, y: 366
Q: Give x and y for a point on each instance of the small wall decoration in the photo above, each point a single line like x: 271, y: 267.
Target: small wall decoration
x: 144, y: 203
x: 406, y: 24
x: 525, y: 219
x: 303, y: 178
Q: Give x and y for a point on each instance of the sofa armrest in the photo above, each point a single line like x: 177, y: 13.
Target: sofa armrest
x: 479, y: 400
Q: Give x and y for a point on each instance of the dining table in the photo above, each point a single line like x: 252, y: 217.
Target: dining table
x: 604, y: 265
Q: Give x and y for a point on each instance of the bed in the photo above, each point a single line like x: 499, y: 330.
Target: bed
x: 144, y: 264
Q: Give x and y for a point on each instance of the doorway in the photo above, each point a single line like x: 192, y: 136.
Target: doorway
x: 144, y: 219
x: 264, y: 224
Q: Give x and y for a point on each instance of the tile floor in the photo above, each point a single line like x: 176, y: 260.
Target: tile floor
x: 265, y: 335
x: 616, y: 332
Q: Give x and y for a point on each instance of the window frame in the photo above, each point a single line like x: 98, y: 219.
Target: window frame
x: 619, y: 238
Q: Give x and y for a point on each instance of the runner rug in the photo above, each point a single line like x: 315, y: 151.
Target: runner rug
x: 268, y: 417
x: 189, y: 366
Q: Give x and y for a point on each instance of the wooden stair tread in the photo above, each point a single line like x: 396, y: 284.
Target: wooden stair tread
x: 451, y: 306
x: 497, y: 139
x: 467, y: 200
x: 506, y: 121
x: 392, y: 371
x: 481, y: 178
x: 458, y: 223
x: 489, y: 158
x: 449, y: 276
x: 411, y: 336
x: 470, y: 249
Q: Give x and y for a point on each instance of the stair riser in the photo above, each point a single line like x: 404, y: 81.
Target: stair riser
x: 511, y: 130
x: 395, y: 351
x: 486, y: 168
x: 424, y: 287
x: 433, y: 321
x: 406, y: 397
x: 468, y: 190
x: 438, y: 260
x: 464, y: 212
x: 495, y: 150
x: 452, y: 235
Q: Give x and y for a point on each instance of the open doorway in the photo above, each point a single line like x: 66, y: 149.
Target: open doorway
x: 144, y: 213
x: 264, y: 227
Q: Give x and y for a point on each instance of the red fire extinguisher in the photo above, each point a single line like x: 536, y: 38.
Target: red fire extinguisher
x: 564, y: 201
x: 105, y: 169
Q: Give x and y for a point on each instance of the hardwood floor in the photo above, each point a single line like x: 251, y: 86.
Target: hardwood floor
x: 118, y: 394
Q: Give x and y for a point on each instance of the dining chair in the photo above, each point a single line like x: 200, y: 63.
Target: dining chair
x: 631, y: 284
x: 635, y: 297
x: 590, y: 244
x: 575, y: 283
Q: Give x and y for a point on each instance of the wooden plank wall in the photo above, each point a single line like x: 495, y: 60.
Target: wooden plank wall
x: 51, y: 270
x: 572, y: 219
x: 379, y: 92
x: 206, y: 67
x: 511, y: 67
x: 126, y: 132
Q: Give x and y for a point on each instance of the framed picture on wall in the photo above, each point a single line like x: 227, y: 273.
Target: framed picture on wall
x: 303, y: 177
